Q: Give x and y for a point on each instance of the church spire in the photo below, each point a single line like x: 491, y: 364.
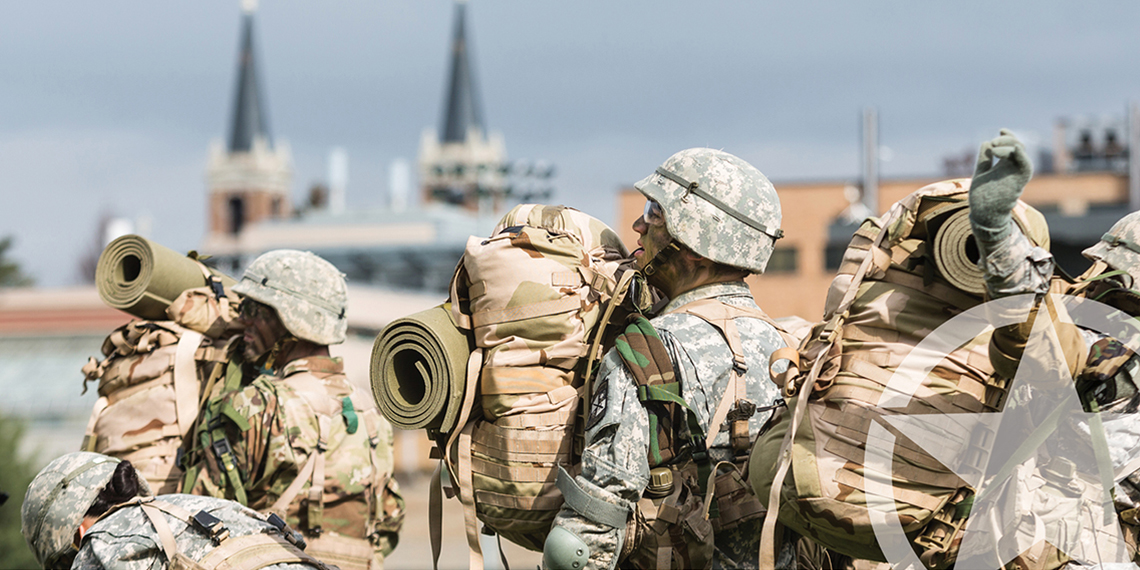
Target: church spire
x: 462, y: 105
x: 249, y: 118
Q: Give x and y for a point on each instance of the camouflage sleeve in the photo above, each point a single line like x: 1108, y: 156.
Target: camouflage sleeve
x: 257, y: 404
x: 1014, y: 266
x: 391, y: 507
x: 614, y: 464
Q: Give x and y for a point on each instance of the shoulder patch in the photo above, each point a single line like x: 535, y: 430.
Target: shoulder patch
x: 599, y: 403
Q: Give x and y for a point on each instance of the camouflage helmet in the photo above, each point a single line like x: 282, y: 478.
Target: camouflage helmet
x: 717, y: 205
x: 57, y: 500
x: 308, y: 293
x: 1120, y: 247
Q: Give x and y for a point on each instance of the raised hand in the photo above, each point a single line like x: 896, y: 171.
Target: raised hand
x: 1001, y: 174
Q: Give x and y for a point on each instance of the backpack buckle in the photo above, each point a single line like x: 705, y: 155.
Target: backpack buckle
x: 295, y: 538
x: 212, y: 525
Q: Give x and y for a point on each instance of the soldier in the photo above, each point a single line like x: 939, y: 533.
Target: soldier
x: 1104, y: 370
x: 87, y: 510
x: 297, y: 441
x: 710, y: 220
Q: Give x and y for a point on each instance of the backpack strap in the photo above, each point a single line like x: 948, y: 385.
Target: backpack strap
x: 316, y: 500
x: 186, y: 380
x: 830, y: 334
x: 212, y: 435
x: 90, y: 440
x: 248, y: 552
x: 456, y: 471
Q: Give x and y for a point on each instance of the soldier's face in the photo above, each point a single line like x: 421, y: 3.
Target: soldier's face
x: 262, y: 329
x: 654, y: 237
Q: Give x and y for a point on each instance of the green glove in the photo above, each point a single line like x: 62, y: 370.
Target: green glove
x: 997, y: 186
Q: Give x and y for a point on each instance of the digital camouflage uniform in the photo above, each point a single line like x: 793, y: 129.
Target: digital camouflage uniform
x: 146, y: 532
x: 614, y: 465
x: 1105, y: 372
x: 125, y: 539
x: 703, y: 194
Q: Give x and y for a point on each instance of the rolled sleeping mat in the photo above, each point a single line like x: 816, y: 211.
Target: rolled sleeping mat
x: 956, y: 253
x: 419, y: 369
x: 142, y: 277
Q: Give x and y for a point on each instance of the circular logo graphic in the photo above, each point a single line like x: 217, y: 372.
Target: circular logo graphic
x: 1042, y: 469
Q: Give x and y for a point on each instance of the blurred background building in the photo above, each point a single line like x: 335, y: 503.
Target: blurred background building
x: 400, y: 254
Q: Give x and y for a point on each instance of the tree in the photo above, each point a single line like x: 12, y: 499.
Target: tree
x: 10, y: 273
x: 16, y: 474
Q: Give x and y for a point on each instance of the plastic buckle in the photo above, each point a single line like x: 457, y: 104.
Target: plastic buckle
x: 217, y: 288
x: 294, y: 537
x: 213, y: 526
x: 222, y: 448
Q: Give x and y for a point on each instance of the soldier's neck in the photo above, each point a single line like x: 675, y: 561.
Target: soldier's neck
x: 300, y: 349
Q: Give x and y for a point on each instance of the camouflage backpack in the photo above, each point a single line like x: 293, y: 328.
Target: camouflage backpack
x: 151, y: 383
x: 891, y: 291
x: 534, y: 297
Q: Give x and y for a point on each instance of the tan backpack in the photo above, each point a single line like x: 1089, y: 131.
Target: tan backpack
x: 889, y: 295
x: 151, y: 384
x: 535, y: 297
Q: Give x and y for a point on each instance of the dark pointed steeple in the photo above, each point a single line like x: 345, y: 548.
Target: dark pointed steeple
x: 249, y: 117
x: 462, y: 105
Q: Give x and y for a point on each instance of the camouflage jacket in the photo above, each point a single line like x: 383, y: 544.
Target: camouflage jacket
x: 284, y: 413
x: 126, y: 540
x: 615, y: 466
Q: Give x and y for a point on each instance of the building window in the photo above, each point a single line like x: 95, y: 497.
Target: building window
x: 275, y: 208
x: 237, y: 214
x: 783, y: 260
x: 833, y: 255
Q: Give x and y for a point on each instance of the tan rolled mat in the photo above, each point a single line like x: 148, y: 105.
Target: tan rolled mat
x: 419, y: 368
x: 141, y: 277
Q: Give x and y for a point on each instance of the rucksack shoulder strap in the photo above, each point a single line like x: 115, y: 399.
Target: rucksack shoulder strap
x: 256, y: 551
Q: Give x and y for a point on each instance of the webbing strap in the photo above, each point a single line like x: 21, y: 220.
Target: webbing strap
x: 589, y: 506
x: 467, y: 498
x: 216, y: 286
x: 165, y: 535
x: 1118, y: 241
x: 435, y: 514
x: 474, y: 363
x: 524, y: 312
x: 695, y: 188
x: 255, y: 551
x: 722, y: 317
x: 281, y: 505
x: 317, y: 486
x: 767, y: 559
x: 90, y: 440
x: 593, y: 354
x: 186, y: 381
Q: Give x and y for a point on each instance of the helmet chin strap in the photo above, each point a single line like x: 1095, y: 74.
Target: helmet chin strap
x: 662, y: 256
x: 282, y: 346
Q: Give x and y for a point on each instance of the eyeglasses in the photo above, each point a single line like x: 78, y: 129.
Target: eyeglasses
x: 251, y: 309
x: 653, y: 214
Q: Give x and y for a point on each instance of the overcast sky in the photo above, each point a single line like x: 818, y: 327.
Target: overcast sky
x: 111, y: 105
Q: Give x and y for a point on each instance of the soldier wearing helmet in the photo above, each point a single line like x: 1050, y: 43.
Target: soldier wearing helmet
x: 710, y: 220
x: 297, y: 441
x: 87, y: 510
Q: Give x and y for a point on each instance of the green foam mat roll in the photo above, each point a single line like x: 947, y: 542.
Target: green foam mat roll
x: 418, y: 371
x: 141, y: 277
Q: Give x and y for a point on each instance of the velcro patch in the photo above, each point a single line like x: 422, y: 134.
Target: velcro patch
x: 598, y: 404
